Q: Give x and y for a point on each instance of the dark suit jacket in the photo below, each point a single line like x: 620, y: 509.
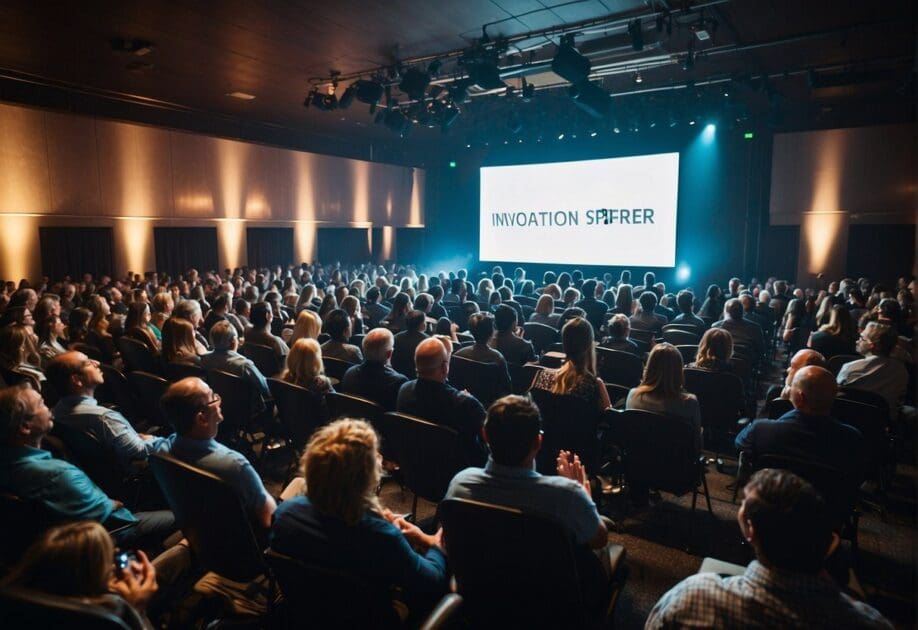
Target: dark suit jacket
x: 403, y: 353
x: 375, y: 381
x: 595, y: 311
x: 814, y: 438
x: 484, y: 354
x: 444, y: 404
x: 515, y: 349
x: 692, y: 319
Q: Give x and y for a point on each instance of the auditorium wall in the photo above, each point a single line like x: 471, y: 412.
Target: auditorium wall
x: 60, y: 169
x: 833, y: 182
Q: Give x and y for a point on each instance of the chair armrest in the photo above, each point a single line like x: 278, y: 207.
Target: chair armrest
x: 613, y: 559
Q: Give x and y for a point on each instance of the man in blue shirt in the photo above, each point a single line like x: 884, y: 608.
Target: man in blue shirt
x: 63, y: 490
x: 194, y: 410
x: 76, y: 377
x: 225, y: 341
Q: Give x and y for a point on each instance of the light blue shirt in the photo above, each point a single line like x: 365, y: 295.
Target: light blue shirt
x: 112, y: 430
x: 557, y: 498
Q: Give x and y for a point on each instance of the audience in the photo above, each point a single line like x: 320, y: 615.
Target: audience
x: 374, y: 379
x: 685, y: 300
x: 619, y: 329
x: 743, y: 331
x: 224, y: 357
x: 481, y: 325
x: 179, y: 344
x: 260, y: 332
x: 577, y: 377
x: 338, y: 327
x: 877, y: 372
x: 508, y: 339
x: 714, y: 351
x: 407, y: 341
x: 305, y: 369
x: 646, y: 319
x: 50, y: 332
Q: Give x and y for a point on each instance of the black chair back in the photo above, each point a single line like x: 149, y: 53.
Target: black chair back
x: 429, y: 454
x: 521, y: 376
x: 569, y: 423
x: 623, y: 368
x: 446, y: 615
x: 541, y: 336
x: 89, y: 350
x: 357, y: 340
x: 97, y: 460
x: 777, y: 407
x: 137, y: 356
x: 299, y: 410
x: 116, y: 392
x: 680, y: 337
x: 335, y: 368
x: 263, y: 357
x: 871, y: 421
x: 617, y: 394
x: 218, y: 529
x: 350, y: 406
x: 480, y: 379
x: 24, y: 520
x: 835, y: 363
x: 526, y: 300
x: 177, y: 371
x: 688, y: 352
x: 149, y: 389
x: 721, y: 399
x: 238, y: 401
x: 329, y: 598
x: 25, y: 609
x: 866, y: 397
x: 678, y: 326
x: 658, y: 451
x: 512, y: 569
x: 644, y: 338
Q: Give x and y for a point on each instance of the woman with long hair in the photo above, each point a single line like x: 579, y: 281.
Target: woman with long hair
x: 837, y: 336
x: 545, y: 312
x: 334, y: 519
x: 577, y: 376
x: 624, y: 301
x: 662, y: 389
x: 99, y: 335
x: 713, y: 304
x: 76, y: 560
x: 178, y: 342
x: 305, y: 368
x: 50, y: 332
x: 137, y: 325
x: 78, y: 325
x: 395, y: 320
x: 329, y: 303
x: 162, y: 306
x: 308, y: 325
x: 714, y: 351
x: 796, y: 326
x: 19, y: 357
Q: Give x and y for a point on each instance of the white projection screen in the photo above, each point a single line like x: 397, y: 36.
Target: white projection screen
x: 611, y: 212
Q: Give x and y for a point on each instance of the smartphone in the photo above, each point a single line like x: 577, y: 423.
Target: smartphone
x: 123, y: 560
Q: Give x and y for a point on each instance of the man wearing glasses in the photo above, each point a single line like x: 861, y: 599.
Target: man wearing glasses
x: 194, y: 410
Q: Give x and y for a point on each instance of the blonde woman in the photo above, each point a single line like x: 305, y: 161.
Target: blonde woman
x: 337, y: 520
x: 307, y: 326
x: 662, y: 389
x: 577, y: 377
x: 545, y: 312
x: 304, y: 367
x: 714, y: 351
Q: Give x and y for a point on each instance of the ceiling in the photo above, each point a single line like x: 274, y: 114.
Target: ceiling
x: 822, y: 62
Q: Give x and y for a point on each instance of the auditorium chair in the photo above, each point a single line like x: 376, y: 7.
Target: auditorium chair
x: 429, y: 455
x: 115, y: 393
x: 149, y: 389
x: 264, y: 358
x: 680, y: 337
x: 446, y: 615
x: 300, y: 412
x: 350, y: 406
x: 688, y: 352
x: 177, y: 371
x: 643, y: 338
x: 480, y: 379
x: 619, y: 367
x: 516, y: 569
x: 569, y: 423
x: 835, y: 363
x: 137, y: 356
x: 685, y: 327
x: 240, y: 425
x: 541, y: 336
x: 617, y: 394
x: 522, y: 376
x: 328, y: 598
x: 722, y: 402
x: 335, y: 368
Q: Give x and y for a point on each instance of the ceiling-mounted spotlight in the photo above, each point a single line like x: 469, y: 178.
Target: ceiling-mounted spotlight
x: 569, y: 64
x: 308, y: 100
x: 397, y: 122
x: 637, y: 34
x: 486, y: 75
x: 365, y: 91
x: 638, y: 78
x: 414, y: 83
x: 347, y: 98
x: 591, y: 98
x: 325, y: 102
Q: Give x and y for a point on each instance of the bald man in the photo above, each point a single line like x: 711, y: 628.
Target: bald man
x: 429, y: 396
x: 808, y: 432
x: 801, y: 359
x: 375, y: 379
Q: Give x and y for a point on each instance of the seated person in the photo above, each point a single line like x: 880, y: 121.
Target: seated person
x: 374, y: 379
x: 481, y: 325
x: 784, y: 520
x: 744, y: 332
x: 75, y: 561
x: 432, y: 398
x: 338, y: 523
x: 513, y: 432
x: 406, y: 342
x: 338, y: 327
x: 194, y: 410
x: 685, y: 300
x: 509, y: 338
x: 808, y: 432
x: 577, y: 377
x: 545, y: 312
x: 646, y: 319
x: 75, y: 377
x: 62, y: 489
x: 877, y: 371
x: 714, y: 351
x: 801, y: 359
x: 225, y: 357
x: 619, y: 329
x: 260, y: 332
x: 662, y: 389
x: 179, y: 344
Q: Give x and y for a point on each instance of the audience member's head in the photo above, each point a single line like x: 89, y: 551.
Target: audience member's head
x: 619, y: 326
x: 505, y: 319
x: 715, y: 348
x: 304, y: 363
x: 178, y: 339
x: 481, y: 326
x: 342, y: 470
x: 733, y: 309
x: 192, y: 408
x: 813, y: 390
x: 24, y: 417
x: 338, y: 325
x: 588, y: 289
x: 663, y: 373
x: 877, y: 339
x: 308, y: 325
x: 73, y: 373
x: 431, y: 360
x: 801, y: 359
x: 415, y: 320
x: 261, y: 315
x: 378, y: 345
x: 786, y: 522
x: 189, y: 310
x: 513, y: 430
x: 545, y: 305
x: 686, y: 301
x: 648, y: 301
x: 223, y: 336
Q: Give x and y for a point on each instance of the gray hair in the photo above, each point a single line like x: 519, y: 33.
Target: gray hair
x: 377, y: 344
x: 186, y: 308
x: 222, y: 335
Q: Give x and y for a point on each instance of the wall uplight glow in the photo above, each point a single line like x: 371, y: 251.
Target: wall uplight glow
x: 19, y: 246
x: 360, y: 183
x: 304, y: 240
x: 388, y: 240
x: 230, y: 235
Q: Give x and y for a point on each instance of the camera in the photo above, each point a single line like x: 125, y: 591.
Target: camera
x: 123, y: 560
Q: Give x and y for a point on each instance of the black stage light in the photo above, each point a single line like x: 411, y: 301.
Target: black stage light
x: 485, y: 75
x: 347, y: 98
x: 637, y: 35
x: 396, y: 122
x: 591, y: 98
x: 325, y: 102
x: 414, y: 83
x: 570, y: 64
x: 369, y: 92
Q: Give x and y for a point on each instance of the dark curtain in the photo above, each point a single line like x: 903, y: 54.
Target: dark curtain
x: 266, y: 247
x: 779, y: 251
x: 73, y: 251
x: 179, y: 249
x: 881, y: 252
x: 409, y: 244
x: 342, y: 244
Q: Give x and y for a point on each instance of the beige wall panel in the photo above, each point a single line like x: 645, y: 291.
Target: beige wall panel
x: 74, y: 165
x: 23, y: 161
x: 266, y: 188
x: 196, y: 176
x: 136, y: 167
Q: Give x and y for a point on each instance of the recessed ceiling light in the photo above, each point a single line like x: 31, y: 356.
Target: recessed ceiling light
x: 242, y: 96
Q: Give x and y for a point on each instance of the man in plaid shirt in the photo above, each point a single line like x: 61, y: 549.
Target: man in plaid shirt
x: 785, y: 521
